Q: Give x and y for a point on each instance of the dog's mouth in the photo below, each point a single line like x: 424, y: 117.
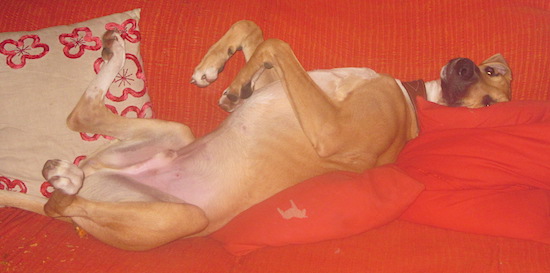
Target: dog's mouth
x: 456, y: 78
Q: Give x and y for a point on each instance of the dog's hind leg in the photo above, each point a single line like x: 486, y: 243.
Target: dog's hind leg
x: 129, y: 225
x: 137, y: 139
x: 131, y: 216
x: 243, y: 35
x: 23, y: 201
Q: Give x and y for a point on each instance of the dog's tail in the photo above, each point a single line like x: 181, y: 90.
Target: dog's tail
x: 23, y: 201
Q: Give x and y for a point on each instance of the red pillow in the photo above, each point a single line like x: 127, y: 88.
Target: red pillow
x: 333, y: 205
x: 433, y: 117
x: 492, y: 177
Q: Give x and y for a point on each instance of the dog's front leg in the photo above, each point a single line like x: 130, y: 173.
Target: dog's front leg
x: 243, y: 36
x: 318, y: 115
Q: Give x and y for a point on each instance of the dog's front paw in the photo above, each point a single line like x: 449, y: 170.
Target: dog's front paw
x: 228, y: 101
x: 63, y: 175
x: 204, y: 77
x: 233, y: 97
x: 211, y: 65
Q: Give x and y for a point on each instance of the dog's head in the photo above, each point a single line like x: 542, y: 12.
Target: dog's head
x: 463, y: 83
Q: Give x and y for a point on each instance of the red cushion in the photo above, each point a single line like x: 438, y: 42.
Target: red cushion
x: 434, y: 117
x: 485, y: 170
x: 329, y: 206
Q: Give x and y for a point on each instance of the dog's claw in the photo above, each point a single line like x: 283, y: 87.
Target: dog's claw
x: 232, y: 97
x: 204, y: 77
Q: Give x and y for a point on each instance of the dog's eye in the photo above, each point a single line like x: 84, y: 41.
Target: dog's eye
x: 491, y: 71
x: 487, y: 101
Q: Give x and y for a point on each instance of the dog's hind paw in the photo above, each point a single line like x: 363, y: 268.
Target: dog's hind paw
x: 63, y: 175
x: 113, y: 46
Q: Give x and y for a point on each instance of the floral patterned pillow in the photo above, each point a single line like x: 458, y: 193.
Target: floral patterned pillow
x: 43, y: 73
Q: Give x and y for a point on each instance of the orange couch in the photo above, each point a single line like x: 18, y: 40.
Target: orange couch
x: 409, y: 39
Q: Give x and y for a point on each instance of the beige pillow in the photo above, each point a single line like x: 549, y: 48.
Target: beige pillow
x: 42, y: 75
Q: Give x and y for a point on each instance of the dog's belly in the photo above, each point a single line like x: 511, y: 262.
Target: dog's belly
x: 182, y: 179
x: 242, y: 163
x: 257, y: 151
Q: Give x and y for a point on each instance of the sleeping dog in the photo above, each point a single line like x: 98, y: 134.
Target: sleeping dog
x: 156, y: 183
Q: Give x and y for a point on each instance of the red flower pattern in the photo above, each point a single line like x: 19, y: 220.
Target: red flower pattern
x: 27, y: 47
x: 125, y: 77
x: 12, y: 185
x: 80, y: 39
x: 46, y: 189
x: 127, y: 30
x: 139, y: 112
x: 76, y: 43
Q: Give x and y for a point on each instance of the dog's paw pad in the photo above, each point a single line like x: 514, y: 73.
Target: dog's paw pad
x: 65, y: 184
x: 113, y: 45
x: 231, y: 99
x: 204, y: 77
x: 108, y: 39
x: 211, y: 65
x: 63, y: 175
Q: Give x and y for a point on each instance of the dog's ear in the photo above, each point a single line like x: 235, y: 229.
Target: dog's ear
x: 498, y: 63
x: 497, y: 58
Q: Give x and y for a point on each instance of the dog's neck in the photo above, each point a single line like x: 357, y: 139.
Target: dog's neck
x: 411, y: 90
x: 431, y: 91
x: 415, y: 89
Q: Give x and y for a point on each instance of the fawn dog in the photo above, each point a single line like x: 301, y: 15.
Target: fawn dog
x: 156, y: 183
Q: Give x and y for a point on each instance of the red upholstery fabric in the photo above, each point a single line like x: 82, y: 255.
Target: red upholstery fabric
x: 485, y: 170
x: 433, y: 117
x: 409, y: 39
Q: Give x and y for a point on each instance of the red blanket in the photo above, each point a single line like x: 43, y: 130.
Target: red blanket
x: 477, y: 170
x: 485, y: 171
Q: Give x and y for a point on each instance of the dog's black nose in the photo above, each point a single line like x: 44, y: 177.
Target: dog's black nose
x: 456, y: 78
x: 465, y: 68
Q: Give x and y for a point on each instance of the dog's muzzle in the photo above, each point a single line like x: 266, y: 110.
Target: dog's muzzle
x: 456, y: 77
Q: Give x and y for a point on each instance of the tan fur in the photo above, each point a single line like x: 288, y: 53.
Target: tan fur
x: 157, y: 183
x: 497, y: 87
